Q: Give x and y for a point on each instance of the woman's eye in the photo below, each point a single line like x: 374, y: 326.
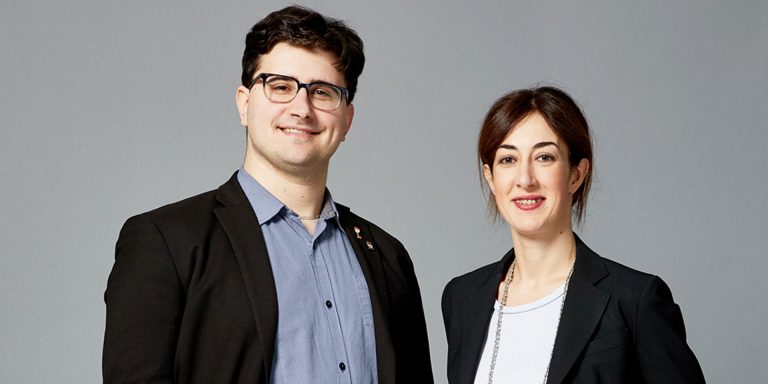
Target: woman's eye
x: 507, y: 160
x: 546, y: 157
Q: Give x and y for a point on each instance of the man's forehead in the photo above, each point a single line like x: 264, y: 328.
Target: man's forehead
x: 302, y: 63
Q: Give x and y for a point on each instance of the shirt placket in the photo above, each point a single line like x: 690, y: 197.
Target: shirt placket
x: 317, y: 252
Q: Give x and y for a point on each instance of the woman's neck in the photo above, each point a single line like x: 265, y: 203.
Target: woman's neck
x: 543, y: 260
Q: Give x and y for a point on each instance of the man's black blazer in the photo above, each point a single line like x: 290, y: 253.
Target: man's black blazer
x: 618, y: 325
x: 191, y: 297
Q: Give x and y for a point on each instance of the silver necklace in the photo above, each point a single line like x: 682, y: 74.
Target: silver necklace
x: 497, y: 339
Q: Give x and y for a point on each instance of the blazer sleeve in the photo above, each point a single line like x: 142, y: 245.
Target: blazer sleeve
x: 447, y: 309
x: 663, y: 353
x: 452, y: 329
x: 417, y: 368
x: 144, y: 300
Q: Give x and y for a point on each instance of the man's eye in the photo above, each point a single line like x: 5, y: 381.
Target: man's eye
x: 322, y: 92
x: 281, y: 87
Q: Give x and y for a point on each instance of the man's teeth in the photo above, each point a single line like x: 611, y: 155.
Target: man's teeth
x: 293, y: 130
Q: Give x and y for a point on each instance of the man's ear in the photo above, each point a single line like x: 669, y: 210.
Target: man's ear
x: 488, y: 174
x: 578, y: 173
x: 350, y: 115
x: 241, y: 99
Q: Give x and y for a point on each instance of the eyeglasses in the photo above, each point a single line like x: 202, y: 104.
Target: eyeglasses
x: 283, y: 89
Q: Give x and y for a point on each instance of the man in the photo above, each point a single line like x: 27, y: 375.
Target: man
x: 267, y: 279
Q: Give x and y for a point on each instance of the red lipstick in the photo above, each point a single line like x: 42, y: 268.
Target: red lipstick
x: 528, y: 203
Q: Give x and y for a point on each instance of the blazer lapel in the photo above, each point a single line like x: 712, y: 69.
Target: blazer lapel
x: 582, y: 311
x: 242, y: 228
x: 479, y: 311
x: 369, y: 258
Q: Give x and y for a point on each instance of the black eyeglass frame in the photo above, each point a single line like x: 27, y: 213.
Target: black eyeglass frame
x: 343, y: 92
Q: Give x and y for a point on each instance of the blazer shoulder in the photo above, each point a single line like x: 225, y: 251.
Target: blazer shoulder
x: 615, y: 267
x: 627, y: 282
x: 187, y: 218
x: 462, y: 294
x: 458, y: 285
x: 186, y: 208
x: 477, y: 275
x: 196, y: 208
x: 480, y: 275
x: 379, y: 235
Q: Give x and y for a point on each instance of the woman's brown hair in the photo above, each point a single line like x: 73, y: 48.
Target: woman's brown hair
x: 561, y: 113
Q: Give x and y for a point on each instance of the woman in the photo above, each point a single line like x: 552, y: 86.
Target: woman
x: 568, y: 315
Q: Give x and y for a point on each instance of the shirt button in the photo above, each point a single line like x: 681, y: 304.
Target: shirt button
x: 342, y: 366
x: 328, y: 304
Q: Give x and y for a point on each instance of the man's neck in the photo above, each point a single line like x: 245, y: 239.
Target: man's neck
x: 302, y: 193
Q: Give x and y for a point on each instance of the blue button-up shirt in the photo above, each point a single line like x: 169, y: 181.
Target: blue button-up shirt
x: 325, y: 322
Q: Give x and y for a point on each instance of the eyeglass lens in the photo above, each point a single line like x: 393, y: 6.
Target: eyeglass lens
x: 284, y: 89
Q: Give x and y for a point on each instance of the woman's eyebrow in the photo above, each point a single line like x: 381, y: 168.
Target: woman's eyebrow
x: 535, y: 146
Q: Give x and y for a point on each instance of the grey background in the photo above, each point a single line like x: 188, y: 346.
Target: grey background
x: 112, y: 108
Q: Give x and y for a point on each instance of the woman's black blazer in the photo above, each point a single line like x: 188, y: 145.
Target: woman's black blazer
x: 618, y: 325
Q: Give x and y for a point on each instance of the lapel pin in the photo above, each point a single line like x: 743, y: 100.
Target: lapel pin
x: 357, y: 232
x: 370, y: 245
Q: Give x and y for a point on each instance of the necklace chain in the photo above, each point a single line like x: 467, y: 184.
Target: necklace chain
x: 312, y: 217
x: 497, y: 338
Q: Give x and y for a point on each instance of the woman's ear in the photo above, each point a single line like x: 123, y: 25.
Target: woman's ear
x: 578, y: 173
x: 488, y: 174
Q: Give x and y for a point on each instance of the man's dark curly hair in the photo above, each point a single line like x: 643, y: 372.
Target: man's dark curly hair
x: 303, y: 27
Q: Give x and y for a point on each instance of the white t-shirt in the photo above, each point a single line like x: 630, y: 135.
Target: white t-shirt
x: 527, y: 336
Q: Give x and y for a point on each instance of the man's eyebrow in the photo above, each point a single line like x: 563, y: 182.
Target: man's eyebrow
x: 535, y: 146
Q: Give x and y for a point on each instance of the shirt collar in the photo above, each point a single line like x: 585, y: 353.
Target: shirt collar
x: 267, y: 206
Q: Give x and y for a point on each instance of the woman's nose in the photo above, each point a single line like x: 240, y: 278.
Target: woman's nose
x: 525, y: 178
